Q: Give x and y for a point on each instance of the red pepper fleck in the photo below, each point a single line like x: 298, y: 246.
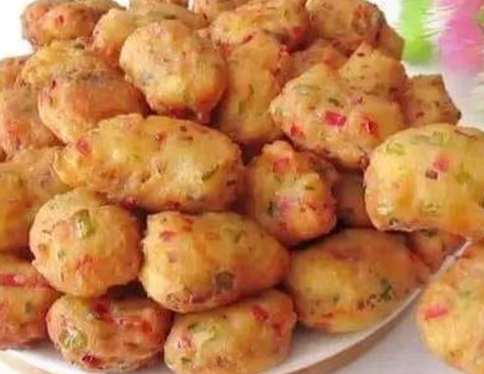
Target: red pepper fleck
x: 435, y: 312
x: 442, y: 164
x: 296, y: 132
x: 85, y: 262
x: 328, y: 315
x: 102, y: 310
x: 260, y: 314
x: 432, y: 174
x: 91, y: 361
x: 371, y: 127
x: 419, y: 115
x: 60, y: 19
x: 160, y: 137
x: 167, y: 235
x: 334, y: 119
x: 185, y: 342
x: 278, y: 328
x: 146, y: 327
x: 129, y: 202
x: 280, y: 165
x: 84, y: 146
x: 17, y: 280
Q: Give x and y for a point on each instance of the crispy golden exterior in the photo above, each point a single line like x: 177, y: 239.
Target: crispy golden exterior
x: 350, y: 201
x: 104, y: 334
x: 426, y: 101
x: 27, y: 181
x: 345, y: 23
x: 352, y: 280
x: 320, y: 51
x: 286, y: 20
x: 20, y: 124
x: 71, y: 106
x: 450, y: 313
x: 211, y: 9
x: 319, y: 112
x: 370, y: 71
x: 45, y: 21
x: 195, y: 263
x: 25, y: 298
x: 84, y: 246
x: 288, y: 195
x: 144, y: 4
x: 158, y: 163
x: 10, y: 69
x: 252, y: 85
x: 428, y: 178
x: 433, y: 246
x: 390, y: 42
x: 117, y: 25
x: 244, y: 338
x: 59, y: 59
x: 180, y: 72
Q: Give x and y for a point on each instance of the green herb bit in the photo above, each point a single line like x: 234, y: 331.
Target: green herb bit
x: 84, y: 224
x: 186, y: 361
x: 395, y: 148
x: 387, y: 293
x: 235, y: 235
x: 29, y: 307
x: 431, y: 209
x: 73, y: 339
x: 208, y: 175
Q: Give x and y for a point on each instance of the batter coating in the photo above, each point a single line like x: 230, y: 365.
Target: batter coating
x: 59, y: 59
x: 157, y: 163
x: 196, y: 263
x: 117, y: 25
x: 20, y: 124
x: 71, y: 106
x: 10, y: 69
x: 248, y: 337
x: 286, y: 20
x: 426, y: 101
x: 428, y: 178
x: 243, y: 113
x: 45, y: 21
x: 27, y: 181
x: 83, y: 245
x: 319, y: 112
x: 288, y: 195
x: 25, y: 298
x: 106, y: 334
x: 450, y: 312
x: 180, y: 73
x: 352, y: 280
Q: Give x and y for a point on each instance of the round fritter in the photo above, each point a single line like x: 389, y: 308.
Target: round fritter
x: 158, y: 163
x: 180, y: 73
x: 450, y: 313
x: 371, y: 71
x: 433, y: 246
x: 25, y: 298
x: 20, y: 125
x: 286, y: 20
x: 245, y: 338
x: 345, y: 23
x: 428, y: 178
x: 320, y: 51
x: 143, y: 4
x: 27, y: 181
x: 83, y: 246
x: 350, y: 197
x: 105, y: 334
x: 70, y: 106
x: 254, y: 82
x: 288, y: 195
x: 195, y: 263
x: 352, y: 280
x: 319, y: 112
x: 117, y: 25
x: 59, y: 59
x: 10, y: 69
x: 426, y: 101
x: 47, y: 21
x: 211, y: 9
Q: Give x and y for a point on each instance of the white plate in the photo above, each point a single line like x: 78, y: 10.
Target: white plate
x: 309, y: 348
